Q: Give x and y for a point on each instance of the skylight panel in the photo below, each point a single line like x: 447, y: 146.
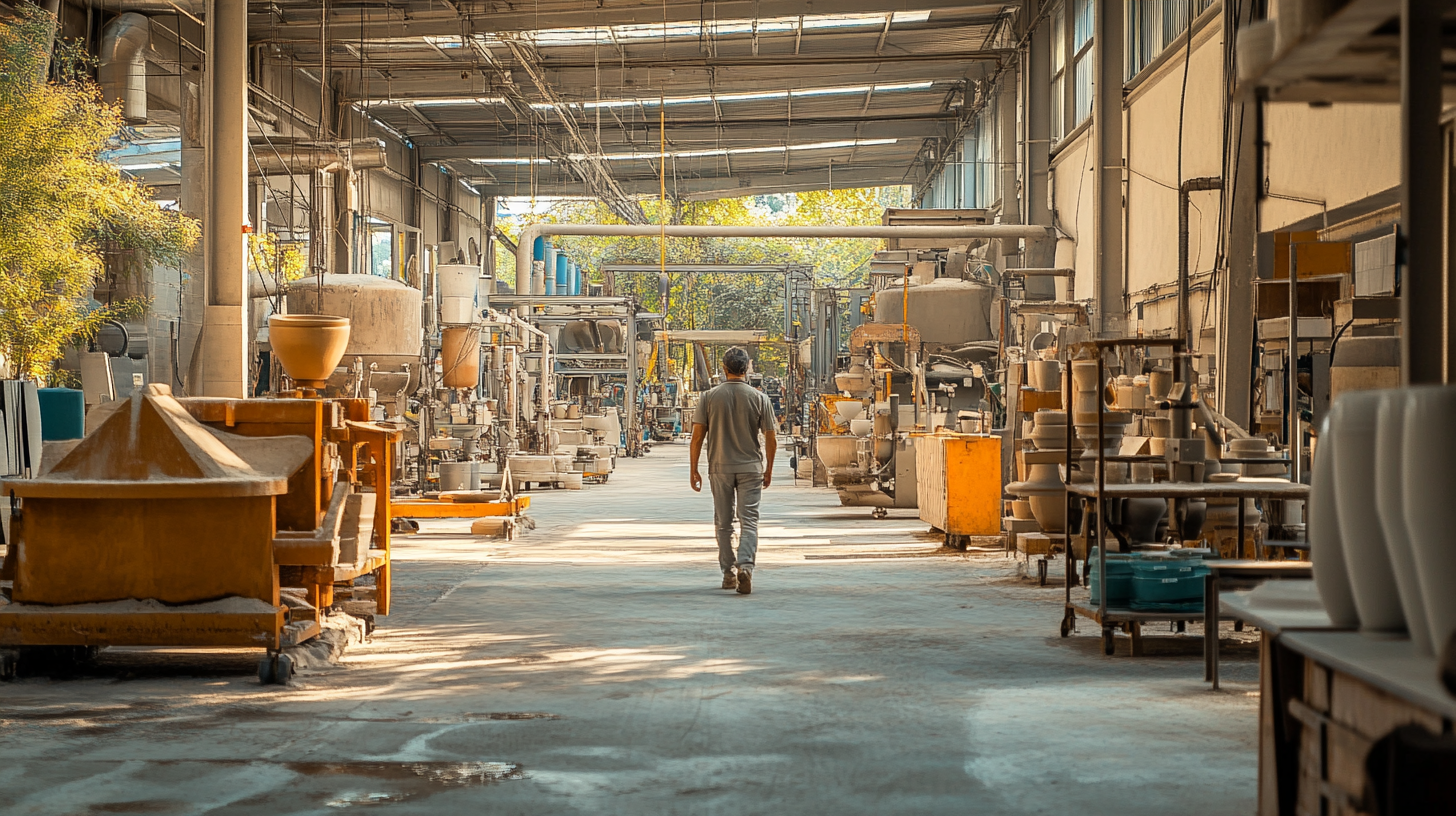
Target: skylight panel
x: 636, y: 32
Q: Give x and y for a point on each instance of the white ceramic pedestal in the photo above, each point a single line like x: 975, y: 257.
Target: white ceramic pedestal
x: 1367, y: 559
x: 1325, y: 550
x: 1390, y: 506
x: 1430, y: 507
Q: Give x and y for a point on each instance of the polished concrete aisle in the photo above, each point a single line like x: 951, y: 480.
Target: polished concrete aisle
x: 594, y: 667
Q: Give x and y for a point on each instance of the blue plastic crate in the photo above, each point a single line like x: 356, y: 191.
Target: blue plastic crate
x: 1119, y: 578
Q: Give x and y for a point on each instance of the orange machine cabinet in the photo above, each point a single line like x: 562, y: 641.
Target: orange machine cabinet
x: 958, y: 478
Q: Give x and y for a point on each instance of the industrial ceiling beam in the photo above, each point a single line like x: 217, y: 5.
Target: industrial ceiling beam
x: 690, y: 138
x: 294, y: 22
x: 745, y: 183
x: 531, y: 232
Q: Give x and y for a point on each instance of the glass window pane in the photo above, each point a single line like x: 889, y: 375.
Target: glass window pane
x: 1081, y: 24
x: 1175, y: 19
x: 1059, y: 39
x: 1082, y: 91
x: 1058, y: 99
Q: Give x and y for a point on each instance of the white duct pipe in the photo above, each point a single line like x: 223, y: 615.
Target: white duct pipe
x: 531, y: 232
x: 193, y: 8
x: 122, y: 69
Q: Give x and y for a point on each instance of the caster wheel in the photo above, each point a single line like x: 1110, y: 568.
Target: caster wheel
x: 9, y: 664
x: 1066, y: 627
x: 275, y: 669
x: 1108, y: 644
x: 879, y: 513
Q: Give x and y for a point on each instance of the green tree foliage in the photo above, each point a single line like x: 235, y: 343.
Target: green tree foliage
x: 60, y: 204
x: 730, y: 301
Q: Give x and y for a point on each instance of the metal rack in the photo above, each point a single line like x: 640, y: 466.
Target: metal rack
x: 1111, y: 618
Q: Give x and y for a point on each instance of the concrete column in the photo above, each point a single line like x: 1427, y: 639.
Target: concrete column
x: 1106, y: 146
x: 224, y: 335
x: 192, y: 201
x: 1037, y: 113
x: 1241, y: 197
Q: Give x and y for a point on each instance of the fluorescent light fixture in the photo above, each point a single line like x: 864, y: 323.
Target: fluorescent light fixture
x: 511, y: 161
x: 649, y: 102
x: 751, y: 96
x: 456, y: 100
x: 606, y: 35
x: 697, y: 154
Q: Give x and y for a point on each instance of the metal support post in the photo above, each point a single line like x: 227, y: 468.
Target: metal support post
x: 1107, y: 143
x: 1422, y: 302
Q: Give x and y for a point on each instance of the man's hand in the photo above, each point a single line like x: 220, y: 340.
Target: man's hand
x: 767, y: 476
x: 696, y: 480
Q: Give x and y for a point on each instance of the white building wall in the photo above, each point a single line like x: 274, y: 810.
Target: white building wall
x: 1339, y: 154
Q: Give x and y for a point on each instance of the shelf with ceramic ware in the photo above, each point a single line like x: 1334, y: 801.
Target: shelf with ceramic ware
x: 1116, y: 507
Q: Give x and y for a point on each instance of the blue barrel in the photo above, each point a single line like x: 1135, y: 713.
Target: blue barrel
x: 548, y: 278
x: 62, y: 413
x: 538, y: 248
x: 576, y: 278
x: 563, y: 274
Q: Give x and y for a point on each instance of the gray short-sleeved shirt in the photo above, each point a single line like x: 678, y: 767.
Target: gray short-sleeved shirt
x: 732, y: 414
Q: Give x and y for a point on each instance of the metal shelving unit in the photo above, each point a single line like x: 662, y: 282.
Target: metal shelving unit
x: 1109, y: 618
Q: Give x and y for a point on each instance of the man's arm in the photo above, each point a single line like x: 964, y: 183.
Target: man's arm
x: 770, y: 440
x: 694, y: 452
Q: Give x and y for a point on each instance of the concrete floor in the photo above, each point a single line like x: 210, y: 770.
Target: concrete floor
x: 595, y: 667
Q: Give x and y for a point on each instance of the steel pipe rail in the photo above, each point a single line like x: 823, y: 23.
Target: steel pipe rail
x: 533, y: 231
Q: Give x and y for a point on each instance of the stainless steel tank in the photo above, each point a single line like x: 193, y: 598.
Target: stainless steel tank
x: 947, y: 311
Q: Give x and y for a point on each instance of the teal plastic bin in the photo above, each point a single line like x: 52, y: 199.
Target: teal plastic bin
x: 1119, y: 578
x: 1168, y: 584
x: 62, y: 413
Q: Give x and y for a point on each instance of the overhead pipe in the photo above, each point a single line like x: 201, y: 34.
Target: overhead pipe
x: 191, y: 8
x: 286, y: 159
x: 122, y: 69
x: 534, y: 231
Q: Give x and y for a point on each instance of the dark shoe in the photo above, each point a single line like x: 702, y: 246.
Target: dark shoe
x: 730, y: 581
x: 745, y: 582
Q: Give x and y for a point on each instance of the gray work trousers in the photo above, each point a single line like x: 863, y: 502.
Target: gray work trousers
x: 742, y: 490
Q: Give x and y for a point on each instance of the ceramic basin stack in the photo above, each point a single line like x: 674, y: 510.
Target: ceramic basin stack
x: 1429, y: 448
x: 1381, y: 514
x: 1367, y: 559
x: 1043, y: 489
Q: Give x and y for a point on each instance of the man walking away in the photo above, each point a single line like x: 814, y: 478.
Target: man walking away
x: 730, y: 417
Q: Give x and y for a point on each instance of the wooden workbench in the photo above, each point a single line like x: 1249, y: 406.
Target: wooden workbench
x: 1326, y: 697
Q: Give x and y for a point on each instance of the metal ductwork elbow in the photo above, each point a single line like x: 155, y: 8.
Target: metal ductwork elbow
x: 122, y: 71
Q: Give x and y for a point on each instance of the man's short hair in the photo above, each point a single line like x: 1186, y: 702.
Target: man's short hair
x: 735, y: 361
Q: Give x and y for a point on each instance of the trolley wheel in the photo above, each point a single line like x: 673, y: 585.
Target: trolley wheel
x: 1066, y: 625
x: 879, y: 513
x: 1108, y: 644
x: 9, y: 664
x: 277, y: 668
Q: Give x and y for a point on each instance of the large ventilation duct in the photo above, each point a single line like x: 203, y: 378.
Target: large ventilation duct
x: 122, y: 71
x: 289, y: 159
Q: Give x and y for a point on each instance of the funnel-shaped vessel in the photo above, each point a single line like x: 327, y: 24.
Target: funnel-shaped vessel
x: 308, y: 347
